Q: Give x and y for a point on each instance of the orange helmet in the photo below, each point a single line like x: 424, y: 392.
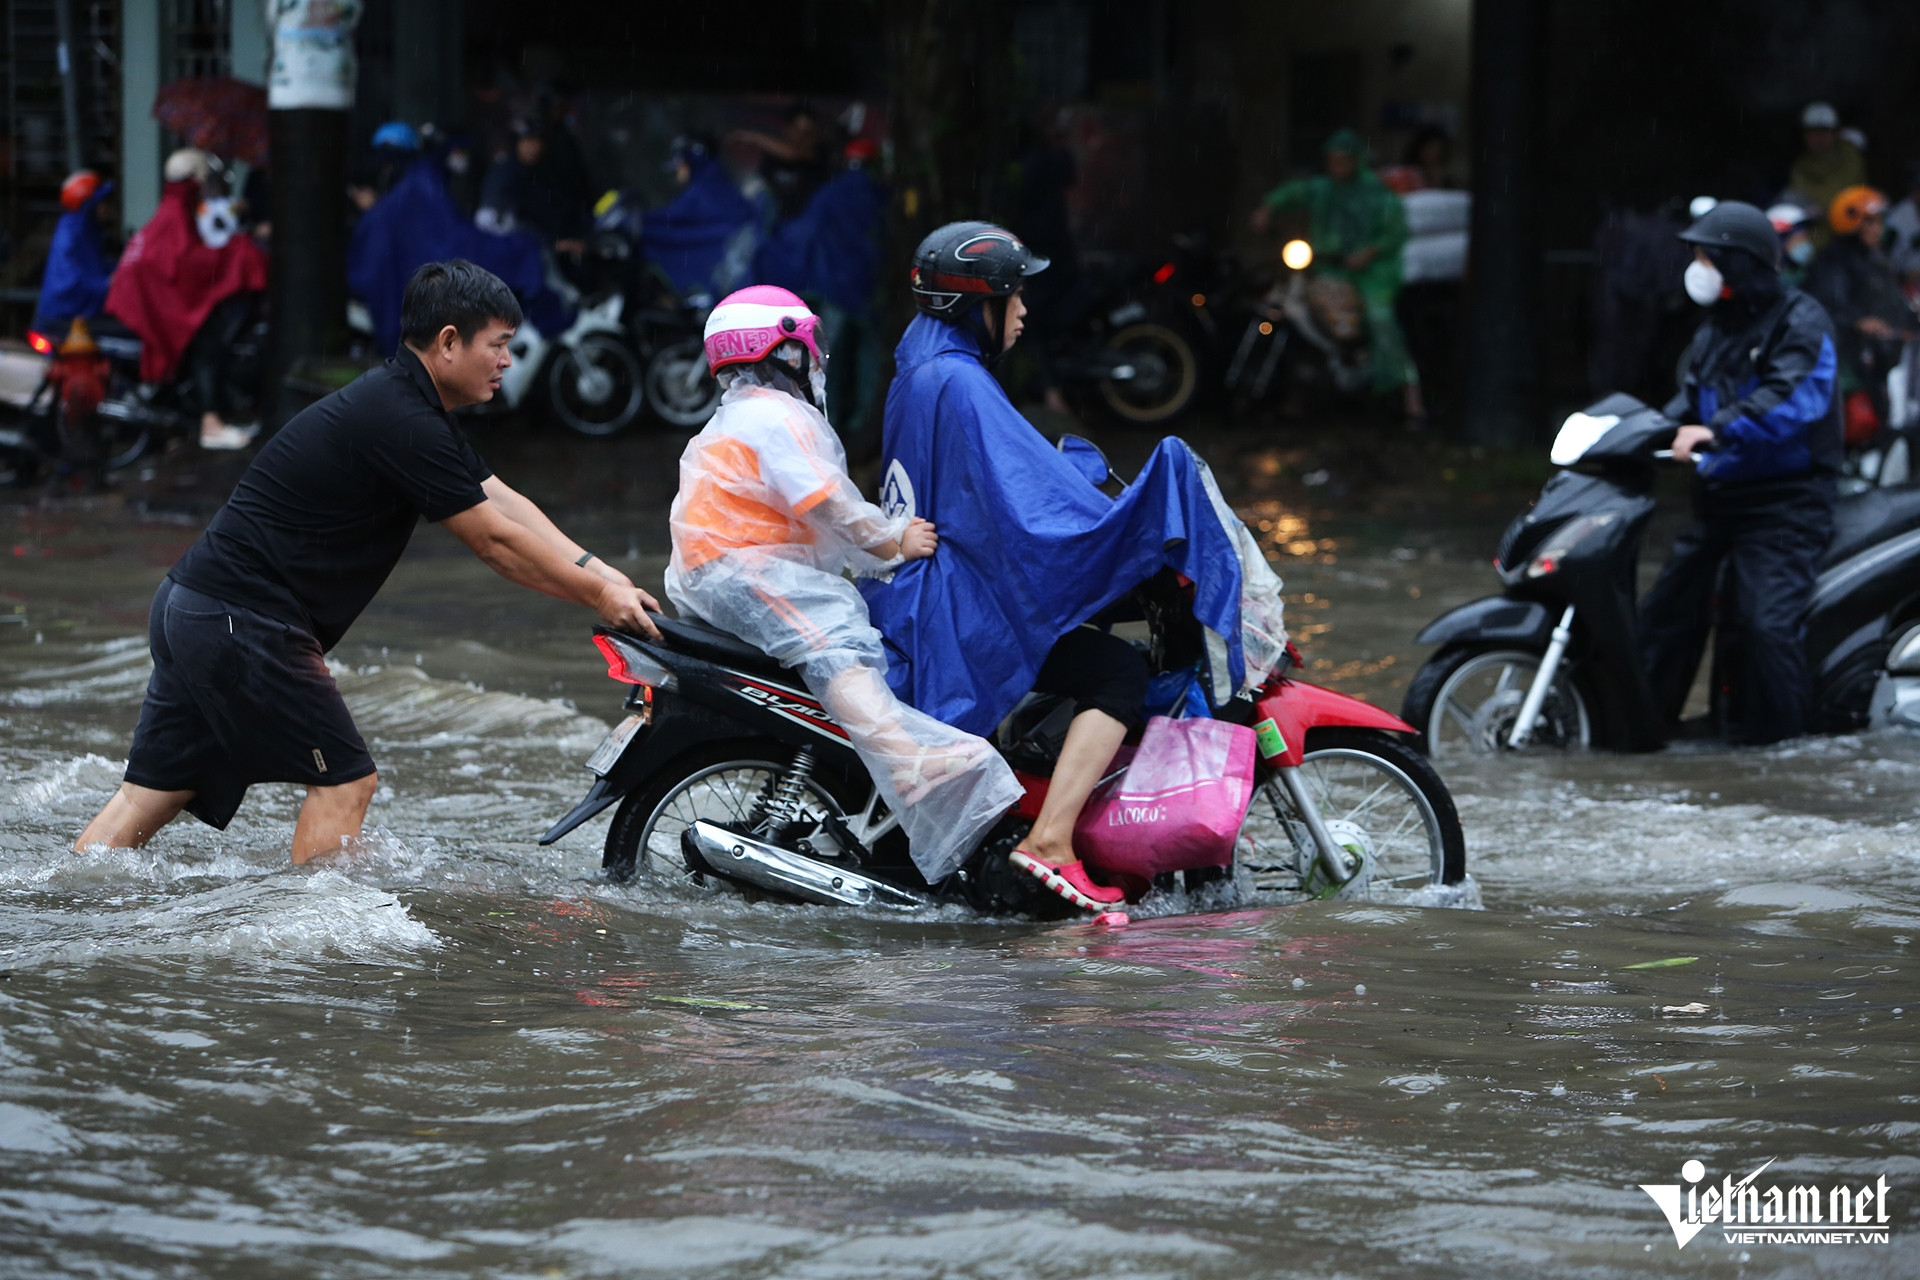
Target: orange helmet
x: 1854, y: 206
x: 78, y: 188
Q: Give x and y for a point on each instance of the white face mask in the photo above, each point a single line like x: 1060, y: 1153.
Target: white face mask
x: 1800, y: 252
x: 1703, y: 282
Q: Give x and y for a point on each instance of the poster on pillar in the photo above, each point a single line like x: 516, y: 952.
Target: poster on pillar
x: 313, y: 63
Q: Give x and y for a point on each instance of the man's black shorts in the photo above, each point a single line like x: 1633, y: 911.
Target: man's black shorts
x: 235, y: 699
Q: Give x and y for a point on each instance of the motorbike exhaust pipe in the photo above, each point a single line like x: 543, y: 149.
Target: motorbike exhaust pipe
x: 733, y: 856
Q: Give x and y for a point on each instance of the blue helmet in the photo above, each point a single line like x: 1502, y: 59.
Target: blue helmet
x: 397, y: 134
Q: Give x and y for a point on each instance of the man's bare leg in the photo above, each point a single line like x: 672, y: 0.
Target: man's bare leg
x: 331, y: 817
x: 132, y: 817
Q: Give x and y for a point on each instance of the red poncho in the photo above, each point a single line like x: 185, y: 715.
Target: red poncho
x: 169, y: 280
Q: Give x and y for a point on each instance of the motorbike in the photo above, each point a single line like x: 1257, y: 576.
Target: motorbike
x: 591, y: 377
x: 726, y: 769
x: 1302, y: 328
x: 1552, y: 662
x: 130, y: 418
x: 1129, y: 334
x: 664, y: 324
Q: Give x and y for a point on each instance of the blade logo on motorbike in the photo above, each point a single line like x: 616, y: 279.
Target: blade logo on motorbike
x: 788, y: 705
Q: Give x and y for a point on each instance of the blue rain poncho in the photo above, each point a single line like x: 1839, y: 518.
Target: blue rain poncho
x: 1030, y: 548
x: 417, y: 222
x: 704, y: 238
x: 78, y: 274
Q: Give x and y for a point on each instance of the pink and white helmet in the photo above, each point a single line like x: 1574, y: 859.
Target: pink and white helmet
x: 749, y: 323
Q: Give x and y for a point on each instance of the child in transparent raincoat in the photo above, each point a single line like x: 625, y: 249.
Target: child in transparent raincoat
x: 765, y: 528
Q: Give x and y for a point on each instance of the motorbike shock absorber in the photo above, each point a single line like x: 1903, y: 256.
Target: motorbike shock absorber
x: 784, y: 803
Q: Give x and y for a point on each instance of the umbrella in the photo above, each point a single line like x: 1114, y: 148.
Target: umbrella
x: 226, y: 117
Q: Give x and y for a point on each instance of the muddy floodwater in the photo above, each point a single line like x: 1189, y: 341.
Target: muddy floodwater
x: 467, y: 1056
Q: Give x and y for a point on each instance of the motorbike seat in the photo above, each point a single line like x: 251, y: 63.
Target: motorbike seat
x: 710, y: 644
x: 1863, y: 519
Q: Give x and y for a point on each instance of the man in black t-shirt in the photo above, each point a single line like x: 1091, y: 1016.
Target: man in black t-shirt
x: 240, y: 691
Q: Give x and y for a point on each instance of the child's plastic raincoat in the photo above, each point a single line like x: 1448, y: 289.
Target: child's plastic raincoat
x: 765, y: 527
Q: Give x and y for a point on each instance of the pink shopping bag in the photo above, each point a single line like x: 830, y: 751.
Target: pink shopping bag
x: 1178, y: 806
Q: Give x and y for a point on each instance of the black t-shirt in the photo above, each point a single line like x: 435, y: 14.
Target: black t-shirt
x: 321, y: 517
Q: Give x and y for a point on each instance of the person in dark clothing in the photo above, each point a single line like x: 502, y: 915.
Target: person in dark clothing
x: 1047, y: 171
x: 794, y: 163
x: 1763, y: 432
x: 1854, y: 280
x: 240, y: 691
x: 523, y: 193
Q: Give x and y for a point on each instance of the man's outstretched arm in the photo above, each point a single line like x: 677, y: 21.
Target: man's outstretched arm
x: 520, y: 555
x: 524, y: 511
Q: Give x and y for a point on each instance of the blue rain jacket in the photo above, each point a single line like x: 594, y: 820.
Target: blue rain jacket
x: 78, y: 274
x: 1765, y: 384
x: 696, y: 240
x: 1029, y: 548
x: 417, y: 222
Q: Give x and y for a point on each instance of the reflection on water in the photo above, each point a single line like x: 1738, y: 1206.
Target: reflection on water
x: 466, y: 1056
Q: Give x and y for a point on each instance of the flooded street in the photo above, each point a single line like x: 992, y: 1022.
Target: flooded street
x: 467, y: 1056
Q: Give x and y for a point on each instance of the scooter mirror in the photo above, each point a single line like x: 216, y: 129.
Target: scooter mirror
x: 1086, y: 458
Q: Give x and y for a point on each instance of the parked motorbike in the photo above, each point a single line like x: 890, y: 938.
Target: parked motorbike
x: 589, y: 373
x: 1127, y: 333
x: 128, y: 417
x: 664, y: 325
x: 726, y: 769
x: 1553, y: 662
x: 1302, y: 328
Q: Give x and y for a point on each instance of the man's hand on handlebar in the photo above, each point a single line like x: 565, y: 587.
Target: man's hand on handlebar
x: 627, y: 608
x: 920, y: 540
x: 1690, y: 441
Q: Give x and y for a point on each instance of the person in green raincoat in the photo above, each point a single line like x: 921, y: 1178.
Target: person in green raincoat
x: 1357, y: 228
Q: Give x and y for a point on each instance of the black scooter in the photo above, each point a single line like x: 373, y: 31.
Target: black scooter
x: 1553, y: 661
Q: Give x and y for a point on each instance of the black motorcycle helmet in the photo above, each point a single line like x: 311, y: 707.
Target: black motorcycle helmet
x: 1732, y: 224
x: 964, y: 263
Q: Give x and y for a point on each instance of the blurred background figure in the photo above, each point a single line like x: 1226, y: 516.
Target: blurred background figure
x: 1827, y: 165
x: 78, y: 271
x: 1357, y: 228
x: 1903, y: 233
x: 1793, y: 223
x: 794, y: 163
x: 523, y: 192
x: 186, y: 286
x: 1055, y: 305
x: 394, y: 147
x: 1854, y: 280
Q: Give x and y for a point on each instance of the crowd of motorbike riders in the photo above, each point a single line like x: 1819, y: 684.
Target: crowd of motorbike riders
x: 767, y: 521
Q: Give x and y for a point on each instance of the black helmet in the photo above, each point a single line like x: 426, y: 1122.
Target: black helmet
x: 966, y: 262
x: 1732, y: 224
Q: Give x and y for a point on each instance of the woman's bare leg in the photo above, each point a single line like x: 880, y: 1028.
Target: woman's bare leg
x: 1092, y: 740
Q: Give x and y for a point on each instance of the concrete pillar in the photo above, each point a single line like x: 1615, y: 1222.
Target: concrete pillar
x: 1501, y: 401
x: 140, y: 157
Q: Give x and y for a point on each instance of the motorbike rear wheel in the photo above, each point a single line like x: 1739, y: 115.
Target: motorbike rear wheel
x: 1166, y: 373
x: 1465, y: 701
x: 681, y: 391
x: 722, y: 784
x: 1382, y: 802
x: 598, y: 387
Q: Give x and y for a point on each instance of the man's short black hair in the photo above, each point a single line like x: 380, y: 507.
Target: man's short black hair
x: 454, y: 293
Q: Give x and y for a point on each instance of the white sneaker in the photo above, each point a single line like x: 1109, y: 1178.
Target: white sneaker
x: 230, y: 436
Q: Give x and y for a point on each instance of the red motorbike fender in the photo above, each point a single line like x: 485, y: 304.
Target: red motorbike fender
x: 1293, y: 707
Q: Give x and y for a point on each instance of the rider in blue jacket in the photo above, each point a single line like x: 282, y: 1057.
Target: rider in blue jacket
x: 1762, y: 428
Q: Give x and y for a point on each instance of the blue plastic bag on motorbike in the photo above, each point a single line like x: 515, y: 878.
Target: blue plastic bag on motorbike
x: 1030, y: 548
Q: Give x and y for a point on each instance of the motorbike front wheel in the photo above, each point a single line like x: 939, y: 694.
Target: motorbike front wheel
x: 725, y: 785
x: 1165, y: 373
x: 1465, y: 703
x: 1381, y: 801
x: 681, y: 390
x: 596, y: 386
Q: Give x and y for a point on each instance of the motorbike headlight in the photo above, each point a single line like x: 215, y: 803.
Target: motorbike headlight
x: 630, y: 664
x: 1579, y: 433
x: 1548, y: 559
x: 1297, y: 254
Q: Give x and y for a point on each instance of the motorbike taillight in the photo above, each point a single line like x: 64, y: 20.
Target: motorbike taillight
x: 40, y: 342
x: 630, y: 664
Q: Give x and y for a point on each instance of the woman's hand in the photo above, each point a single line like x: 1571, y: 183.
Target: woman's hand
x: 1687, y: 442
x: 920, y: 540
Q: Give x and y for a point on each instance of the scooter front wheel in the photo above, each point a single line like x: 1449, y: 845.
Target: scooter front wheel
x: 596, y: 387
x: 1465, y: 703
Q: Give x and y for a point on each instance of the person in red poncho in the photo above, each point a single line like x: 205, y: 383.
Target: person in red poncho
x: 185, y: 289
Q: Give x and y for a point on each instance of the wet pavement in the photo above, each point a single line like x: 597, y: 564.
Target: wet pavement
x: 467, y: 1056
